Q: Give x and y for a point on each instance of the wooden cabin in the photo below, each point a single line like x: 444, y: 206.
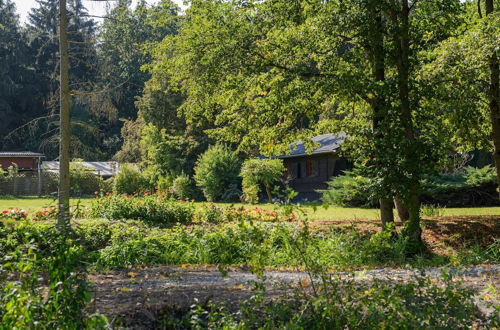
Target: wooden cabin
x: 310, y: 170
x: 24, y: 160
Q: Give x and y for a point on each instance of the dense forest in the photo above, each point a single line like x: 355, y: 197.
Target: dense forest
x: 107, y: 77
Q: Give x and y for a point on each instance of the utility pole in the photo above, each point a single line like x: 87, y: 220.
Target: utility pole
x: 64, y: 127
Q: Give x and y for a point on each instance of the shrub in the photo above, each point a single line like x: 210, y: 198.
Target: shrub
x: 342, y: 303
x: 83, y: 181
x: 106, y: 185
x: 164, y: 185
x: 182, y: 187
x: 152, y: 209
x: 348, y: 190
x: 129, y: 180
x: 3, y: 174
x: 472, y: 187
x: 260, y: 171
x: 478, y: 176
x: 42, y: 280
x: 217, y: 170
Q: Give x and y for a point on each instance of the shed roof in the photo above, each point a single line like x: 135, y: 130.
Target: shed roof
x: 21, y: 154
x: 328, y: 143
x: 99, y: 168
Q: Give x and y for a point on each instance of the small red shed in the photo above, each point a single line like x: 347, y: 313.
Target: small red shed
x: 24, y: 160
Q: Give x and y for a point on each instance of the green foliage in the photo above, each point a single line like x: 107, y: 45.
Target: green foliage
x: 260, y: 171
x: 163, y: 154
x: 183, y: 187
x: 429, y: 210
x: 350, y: 189
x: 83, y: 181
x: 472, y: 187
x: 475, y: 177
x: 129, y: 180
x: 152, y: 209
x: 43, y: 284
x: 344, y: 303
x: 3, y: 174
x: 216, y: 173
x: 457, y: 72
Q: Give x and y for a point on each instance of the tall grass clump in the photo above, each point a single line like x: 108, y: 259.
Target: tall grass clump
x: 153, y: 209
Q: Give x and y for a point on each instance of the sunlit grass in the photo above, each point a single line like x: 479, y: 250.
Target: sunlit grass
x: 32, y: 203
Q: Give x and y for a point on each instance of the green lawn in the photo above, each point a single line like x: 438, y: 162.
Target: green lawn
x: 32, y: 203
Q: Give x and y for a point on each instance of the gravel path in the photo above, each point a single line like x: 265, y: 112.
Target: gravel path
x: 127, y: 293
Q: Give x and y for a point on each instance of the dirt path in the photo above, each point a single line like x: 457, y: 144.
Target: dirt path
x: 140, y: 293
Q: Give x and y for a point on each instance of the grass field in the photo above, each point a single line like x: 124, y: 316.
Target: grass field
x: 33, y: 203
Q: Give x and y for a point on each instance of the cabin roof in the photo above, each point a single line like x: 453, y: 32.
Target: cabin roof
x: 20, y: 154
x: 328, y: 143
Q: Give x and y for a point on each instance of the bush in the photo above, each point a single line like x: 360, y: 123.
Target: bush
x: 129, y: 180
x: 340, y: 303
x: 183, y: 188
x: 106, y: 186
x: 217, y: 170
x: 260, y: 171
x: 153, y: 209
x: 348, y: 190
x: 473, y: 187
x: 83, y: 181
x: 42, y: 280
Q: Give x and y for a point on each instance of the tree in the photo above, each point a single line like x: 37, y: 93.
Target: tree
x: 273, y: 72
x: 494, y: 92
x: 44, y: 47
x: 163, y: 155
x: 64, y: 115
x: 465, y: 77
x: 127, y: 34
x: 260, y: 171
x: 17, y: 77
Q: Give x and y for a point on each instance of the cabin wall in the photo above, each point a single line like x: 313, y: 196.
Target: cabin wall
x: 21, y: 162
x: 309, y: 173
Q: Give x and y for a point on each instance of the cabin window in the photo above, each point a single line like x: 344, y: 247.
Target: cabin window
x: 311, y: 168
x: 299, y: 170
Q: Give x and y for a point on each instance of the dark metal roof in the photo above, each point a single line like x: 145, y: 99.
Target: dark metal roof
x: 28, y: 154
x: 328, y: 143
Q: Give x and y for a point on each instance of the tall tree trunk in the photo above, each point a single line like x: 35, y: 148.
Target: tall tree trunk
x: 65, y: 129
x: 401, y: 208
x: 386, y: 212
x: 412, y: 230
x: 378, y: 104
x: 494, y: 100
